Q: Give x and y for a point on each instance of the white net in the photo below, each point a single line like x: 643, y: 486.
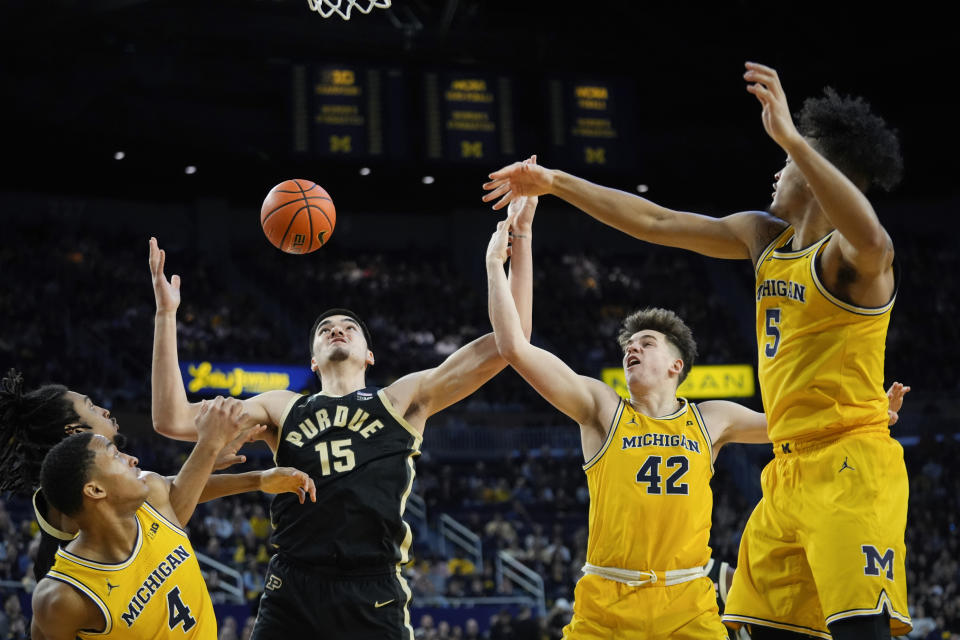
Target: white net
x: 342, y: 8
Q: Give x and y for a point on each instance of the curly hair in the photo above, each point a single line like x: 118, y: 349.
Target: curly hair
x: 670, y: 325
x: 65, y: 469
x: 30, y: 424
x: 853, y: 138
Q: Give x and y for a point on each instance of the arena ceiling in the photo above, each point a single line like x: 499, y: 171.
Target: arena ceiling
x: 209, y: 82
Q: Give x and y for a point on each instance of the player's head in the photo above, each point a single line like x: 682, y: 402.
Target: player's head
x: 853, y: 138
x: 88, y: 468
x: 339, y: 335
x: 657, y: 347
x: 32, y: 422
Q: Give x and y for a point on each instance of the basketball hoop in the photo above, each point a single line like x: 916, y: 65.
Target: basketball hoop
x: 327, y: 8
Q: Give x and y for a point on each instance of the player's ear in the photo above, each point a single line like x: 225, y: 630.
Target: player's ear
x: 313, y: 364
x: 94, y: 490
x: 370, y: 358
x: 677, y: 366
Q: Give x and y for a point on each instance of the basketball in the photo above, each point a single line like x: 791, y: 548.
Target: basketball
x: 298, y: 216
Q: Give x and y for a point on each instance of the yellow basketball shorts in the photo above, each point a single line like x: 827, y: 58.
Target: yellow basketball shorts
x: 825, y: 542
x: 610, y: 610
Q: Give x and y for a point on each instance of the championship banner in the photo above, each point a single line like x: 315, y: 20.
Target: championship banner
x: 592, y: 121
x: 242, y: 380
x: 704, y: 381
x: 349, y: 110
x: 469, y: 117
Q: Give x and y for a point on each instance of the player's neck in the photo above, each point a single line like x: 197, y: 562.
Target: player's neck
x: 339, y: 381
x: 106, y: 535
x: 810, y: 225
x: 655, y: 403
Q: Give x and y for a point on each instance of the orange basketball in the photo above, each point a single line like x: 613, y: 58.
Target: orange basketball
x: 298, y: 216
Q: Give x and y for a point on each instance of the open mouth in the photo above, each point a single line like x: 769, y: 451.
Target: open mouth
x: 633, y: 360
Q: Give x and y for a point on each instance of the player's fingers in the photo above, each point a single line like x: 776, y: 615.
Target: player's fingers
x: 501, y: 189
x: 504, y: 172
x: 504, y: 201
x: 312, y: 489
x: 175, y: 282
x: 892, y: 417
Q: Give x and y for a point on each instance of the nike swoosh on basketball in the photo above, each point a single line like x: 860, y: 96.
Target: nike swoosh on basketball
x: 379, y: 604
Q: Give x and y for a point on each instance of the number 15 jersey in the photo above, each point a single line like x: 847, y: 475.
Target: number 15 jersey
x: 359, y: 451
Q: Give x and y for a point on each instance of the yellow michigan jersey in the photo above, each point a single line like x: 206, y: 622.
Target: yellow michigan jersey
x: 158, y: 592
x: 650, y: 497
x: 650, y: 508
x: 820, y: 358
x: 826, y: 541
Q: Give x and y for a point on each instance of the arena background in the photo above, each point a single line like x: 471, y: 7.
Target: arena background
x: 106, y: 104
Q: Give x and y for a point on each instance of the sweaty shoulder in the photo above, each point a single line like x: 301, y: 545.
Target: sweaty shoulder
x: 756, y: 229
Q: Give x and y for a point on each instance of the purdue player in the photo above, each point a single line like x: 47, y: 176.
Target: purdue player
x: 337, y: 565
x: 131, y: 572
x: 34, y: 421
x: 823, y: 553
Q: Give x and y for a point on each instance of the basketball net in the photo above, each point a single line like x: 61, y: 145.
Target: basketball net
x: 327, y: 8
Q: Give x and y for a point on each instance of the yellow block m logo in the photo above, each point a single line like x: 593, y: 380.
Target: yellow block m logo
x: 341, y: 144
x: 471, y: 149
x: 595, y: 155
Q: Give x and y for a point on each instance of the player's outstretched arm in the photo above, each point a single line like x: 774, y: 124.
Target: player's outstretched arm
x: 419, y: 395
x: 61, y: 611
x: 275, y: 480
x: 864, y: 243
x: 219, y: 422
x: 173, y: 415
x: 734, y: 236
x: 587, y: 401
x: 731, y: 422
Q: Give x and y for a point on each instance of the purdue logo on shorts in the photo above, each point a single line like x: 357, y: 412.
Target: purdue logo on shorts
x: 273, y: 582
x: 874, y: 558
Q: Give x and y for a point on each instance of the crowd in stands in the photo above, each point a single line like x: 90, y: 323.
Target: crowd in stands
x: 80, y: 311
x: 532, y: 506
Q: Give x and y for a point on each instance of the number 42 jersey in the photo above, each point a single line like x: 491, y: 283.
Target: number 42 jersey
x: 359, y: 451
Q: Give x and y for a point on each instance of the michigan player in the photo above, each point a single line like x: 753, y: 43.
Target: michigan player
x: 823, y: 553
x: 648, y: 462
x: 34, y: 421
x: 337, y: 566
x: 131, y: 572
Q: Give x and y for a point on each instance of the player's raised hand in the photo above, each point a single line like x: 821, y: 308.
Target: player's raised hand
x: 220, y: 421
x: 229, y: 455
x: 167, y: 293
x: 288, y: 480
x: 525, y: 178
x: 498, y: 250
x: 895, y: 395
x: 764, y: 83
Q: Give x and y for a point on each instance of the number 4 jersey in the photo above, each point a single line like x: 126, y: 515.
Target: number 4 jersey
x: 158, y: 592
x: 650, y: 497
x: 360, y: 452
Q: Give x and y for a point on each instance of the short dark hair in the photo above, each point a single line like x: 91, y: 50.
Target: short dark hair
x: 853, y: 138
x: 338, y: 312
x: 65, y: 470
x: 670, y: 325
x: 30, y: 423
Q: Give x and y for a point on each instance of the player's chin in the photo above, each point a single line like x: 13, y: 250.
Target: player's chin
x: 339, y: 354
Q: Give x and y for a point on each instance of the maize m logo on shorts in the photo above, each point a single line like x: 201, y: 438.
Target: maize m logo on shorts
x: 876, y: 562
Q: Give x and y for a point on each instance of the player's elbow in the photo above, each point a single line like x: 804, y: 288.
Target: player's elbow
x: 510, y: 348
